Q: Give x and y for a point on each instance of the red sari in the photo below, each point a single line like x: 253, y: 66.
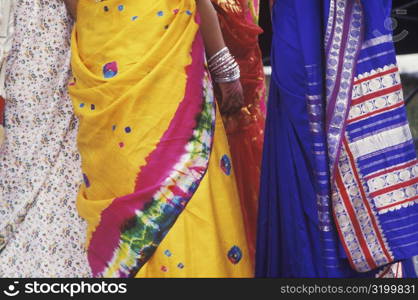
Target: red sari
x: 245, y: 129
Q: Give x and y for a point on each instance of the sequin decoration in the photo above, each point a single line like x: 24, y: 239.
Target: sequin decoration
x: 235, y: 255
x: 110, y: 69
x: 226, y: 164
x: 167, y: 253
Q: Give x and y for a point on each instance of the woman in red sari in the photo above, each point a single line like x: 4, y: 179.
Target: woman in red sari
x: 238, y: 19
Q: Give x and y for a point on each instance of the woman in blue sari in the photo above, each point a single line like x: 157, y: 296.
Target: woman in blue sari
x: 339, y: 186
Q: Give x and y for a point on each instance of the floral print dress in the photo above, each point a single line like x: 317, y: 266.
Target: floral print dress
x: 41, y: 234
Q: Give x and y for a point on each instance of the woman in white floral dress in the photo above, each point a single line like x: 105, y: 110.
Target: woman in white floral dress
x: 41, y: 234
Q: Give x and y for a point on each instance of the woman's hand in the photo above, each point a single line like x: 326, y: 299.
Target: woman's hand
x: 231, y: 97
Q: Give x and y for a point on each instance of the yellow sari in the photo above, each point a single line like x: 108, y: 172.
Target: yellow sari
x: 159, y: 194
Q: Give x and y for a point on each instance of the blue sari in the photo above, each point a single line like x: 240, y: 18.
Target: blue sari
x: 339, y: 185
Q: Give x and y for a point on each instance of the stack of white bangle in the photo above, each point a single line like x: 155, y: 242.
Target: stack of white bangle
x: 223, y: 66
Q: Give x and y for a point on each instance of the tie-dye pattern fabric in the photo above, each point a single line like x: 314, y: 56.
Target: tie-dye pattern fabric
x: 147, y: 119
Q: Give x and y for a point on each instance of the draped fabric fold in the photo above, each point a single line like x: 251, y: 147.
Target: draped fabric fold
x: 336, y: 101
x: 245, y: 130
x: 147, y: 132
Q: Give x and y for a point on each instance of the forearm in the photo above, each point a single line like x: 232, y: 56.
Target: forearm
x: 211, y: 31
x: 72, y: 7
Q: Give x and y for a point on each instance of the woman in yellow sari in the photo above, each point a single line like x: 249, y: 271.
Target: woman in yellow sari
x: 159, y: 191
